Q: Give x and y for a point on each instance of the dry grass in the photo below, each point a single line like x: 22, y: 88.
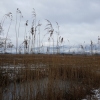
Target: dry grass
x: 77, y: 74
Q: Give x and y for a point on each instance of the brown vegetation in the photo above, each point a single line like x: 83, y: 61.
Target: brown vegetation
x: 79, y: 73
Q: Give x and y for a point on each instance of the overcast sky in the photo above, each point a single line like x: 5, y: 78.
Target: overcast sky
x: 79, y: 20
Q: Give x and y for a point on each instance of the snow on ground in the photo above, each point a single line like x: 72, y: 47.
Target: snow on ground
x: 96, y: 95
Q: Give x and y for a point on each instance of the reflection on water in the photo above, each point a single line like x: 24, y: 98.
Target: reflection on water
x: 29, y: 90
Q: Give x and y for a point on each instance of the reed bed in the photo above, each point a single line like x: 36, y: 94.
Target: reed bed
x: 48, y: 77
x: 39, y: 72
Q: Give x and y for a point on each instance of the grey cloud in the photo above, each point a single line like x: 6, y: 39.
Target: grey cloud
x: 79, y: 20
x: 77, y: 11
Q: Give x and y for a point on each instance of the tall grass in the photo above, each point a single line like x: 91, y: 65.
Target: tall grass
x: 31, y: 76
x: 49, y: 77
x: 32, y: 42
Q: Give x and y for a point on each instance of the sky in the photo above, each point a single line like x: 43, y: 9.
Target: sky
x: 79, y: 20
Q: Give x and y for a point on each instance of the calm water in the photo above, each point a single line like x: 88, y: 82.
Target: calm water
x: 31, y: 89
